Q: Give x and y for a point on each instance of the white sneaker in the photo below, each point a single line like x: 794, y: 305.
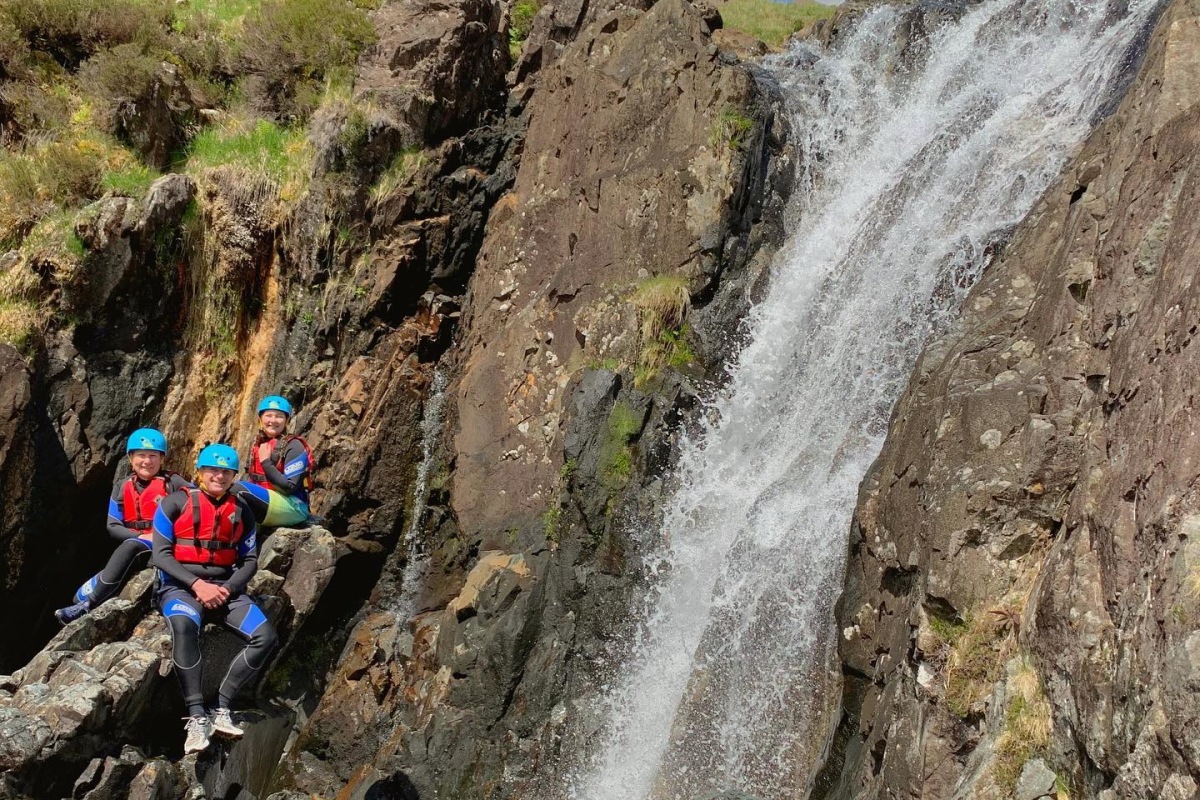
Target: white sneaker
x: 222, y: 723
x: 198, y: 729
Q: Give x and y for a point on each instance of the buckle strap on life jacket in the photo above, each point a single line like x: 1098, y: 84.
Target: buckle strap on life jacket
x: 143, y: 525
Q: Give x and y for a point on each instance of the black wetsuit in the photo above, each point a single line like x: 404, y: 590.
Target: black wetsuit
x: 185, y: 614
x: 132, y: 547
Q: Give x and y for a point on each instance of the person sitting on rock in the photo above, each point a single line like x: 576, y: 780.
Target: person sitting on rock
x: 204, y: 544
x: 130, y: 514
x: 280, y: 471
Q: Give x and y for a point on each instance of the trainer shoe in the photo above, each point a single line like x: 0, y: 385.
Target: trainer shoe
x: 198, y: 729
x: 222, y: 723
x: 67, y: 615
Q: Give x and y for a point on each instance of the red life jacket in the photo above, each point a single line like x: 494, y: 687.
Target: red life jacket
x: 278, y: 452
x: 204, y: 537
x: 138, y: 507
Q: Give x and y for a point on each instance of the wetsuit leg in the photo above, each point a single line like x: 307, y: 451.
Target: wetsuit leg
x: 185, y: 616
x: 248, y: 621
x: 258, y: 498
x: 105, y: 584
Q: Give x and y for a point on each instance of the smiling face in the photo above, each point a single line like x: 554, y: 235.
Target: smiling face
x: 216, y: 481
x: 146, y: 463
x: 273, y: 422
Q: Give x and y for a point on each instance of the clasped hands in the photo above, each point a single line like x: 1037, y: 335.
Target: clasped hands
x: 210, y: 595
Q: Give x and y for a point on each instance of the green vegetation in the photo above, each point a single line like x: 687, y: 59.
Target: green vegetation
x: 731, y: 128
x: 771, y: 21
x: 261, y: 149
x: 404, y: 166
x: 1027, y: 727
x: 519, y: 23
x: 20, y: 290
x: 948, y: 630
x: 550, y: 521
x: 662, y: 303
x: 130, y: 180
x: 977, y: 655
x: 616, y: 451
x: 294, y: 46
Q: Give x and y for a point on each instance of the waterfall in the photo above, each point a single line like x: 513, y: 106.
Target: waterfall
x: 908, y: 178
x: 415, y: 562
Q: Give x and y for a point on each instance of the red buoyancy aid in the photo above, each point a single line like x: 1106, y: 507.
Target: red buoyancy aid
x: 278, y: 454
x: 202, y: 536
x: 138, y: 507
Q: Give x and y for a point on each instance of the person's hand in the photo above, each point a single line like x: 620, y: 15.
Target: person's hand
x: 146, y: 537
x: 210, y: 595
x: 264, y: 451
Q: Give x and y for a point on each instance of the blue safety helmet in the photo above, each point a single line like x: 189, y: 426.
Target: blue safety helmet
x: 146, y: 439
x: 220, y: 456
x: 274, y: 402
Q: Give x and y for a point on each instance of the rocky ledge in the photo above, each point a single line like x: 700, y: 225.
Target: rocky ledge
x: 96, y: 714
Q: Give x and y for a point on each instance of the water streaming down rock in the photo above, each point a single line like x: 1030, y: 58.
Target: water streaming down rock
x: 910, y: 177
x: 431, y: 427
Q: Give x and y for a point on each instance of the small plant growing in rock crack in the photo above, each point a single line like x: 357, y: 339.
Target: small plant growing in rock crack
x: 975, y: 664
x: 1027, y: 727
x: 730, y: 129
x: 398, y: 175
x: 550, y: 521
x: 520, y: 21
x: 616, y: 451
x: 662, y: 304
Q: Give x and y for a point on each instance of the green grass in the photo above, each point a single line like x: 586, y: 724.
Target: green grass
x: 227, y: 14
x: 398, y: 174
x: 519, y: 23
x: 264, y: 149
x: 770, y: 21
x: 730, y: 129
x: 616, y: 452
x: 132, y: 180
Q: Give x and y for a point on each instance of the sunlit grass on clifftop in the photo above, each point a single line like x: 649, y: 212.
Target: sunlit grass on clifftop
x: 260, y: 149
x: 770, y: 21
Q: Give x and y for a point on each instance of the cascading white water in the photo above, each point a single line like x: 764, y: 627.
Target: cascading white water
x: 431, y: 425
x: 908, y: 175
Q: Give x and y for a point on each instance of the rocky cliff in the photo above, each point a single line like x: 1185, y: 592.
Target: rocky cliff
x: 1021, y: 601
x: 567, y: 237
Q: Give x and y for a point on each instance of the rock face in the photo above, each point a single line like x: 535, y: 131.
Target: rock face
x: 632, y: 176
x: 1022, y: 598
x: 71, y: 407
x: 106, y: 680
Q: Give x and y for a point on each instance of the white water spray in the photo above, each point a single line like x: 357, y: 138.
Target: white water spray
x: 907, y: 179
x: 431, y: 426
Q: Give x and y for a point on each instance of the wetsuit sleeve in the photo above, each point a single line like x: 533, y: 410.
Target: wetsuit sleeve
x: 163, y: 551
x: 116, y: 515
x: 247, y: 563
x: 295, y: 467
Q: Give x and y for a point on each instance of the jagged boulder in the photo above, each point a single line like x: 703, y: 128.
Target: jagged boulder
x: 100, y: 695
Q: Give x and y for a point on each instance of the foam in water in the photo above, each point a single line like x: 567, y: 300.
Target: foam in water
x: 907, y: 179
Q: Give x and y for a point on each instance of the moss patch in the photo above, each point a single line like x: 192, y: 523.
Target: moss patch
x: 616, y: 451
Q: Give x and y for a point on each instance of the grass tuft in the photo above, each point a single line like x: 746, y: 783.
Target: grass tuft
x: 398, y: 174
x: 730, y: 129
x: 1027, y: 727
x: 616, y: 451
x: 976, y: 662
x: 262, y: 149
